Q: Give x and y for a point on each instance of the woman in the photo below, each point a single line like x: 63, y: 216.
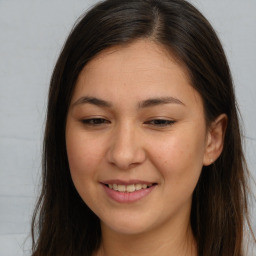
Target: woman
x: 142, y: 150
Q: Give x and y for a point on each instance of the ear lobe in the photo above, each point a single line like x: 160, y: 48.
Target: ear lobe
x: 215, y: 139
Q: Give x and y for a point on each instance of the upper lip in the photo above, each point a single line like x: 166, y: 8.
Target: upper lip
x: 127, y: 182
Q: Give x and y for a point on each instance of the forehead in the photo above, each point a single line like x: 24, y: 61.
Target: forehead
x: 140, y: 55
x: 139, y: 51
x: 141, y: 69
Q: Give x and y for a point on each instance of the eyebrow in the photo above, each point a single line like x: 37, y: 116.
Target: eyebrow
x: 159, y: 101
x: 142, y: 104
x: 93, y: 101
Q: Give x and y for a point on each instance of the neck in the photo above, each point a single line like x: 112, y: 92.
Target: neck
x: 164, y: 242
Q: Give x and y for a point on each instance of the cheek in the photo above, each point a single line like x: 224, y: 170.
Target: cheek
x: 179, y: 164
x: 82, y: 157
x: 180, y: 157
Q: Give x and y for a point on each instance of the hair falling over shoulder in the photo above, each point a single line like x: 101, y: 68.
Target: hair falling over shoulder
x: 62, y: 223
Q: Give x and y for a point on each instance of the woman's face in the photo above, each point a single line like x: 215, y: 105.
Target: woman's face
x: 136, y: 138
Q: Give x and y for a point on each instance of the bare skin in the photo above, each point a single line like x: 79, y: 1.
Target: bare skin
x: 135, y: 118
x: 159, y: 242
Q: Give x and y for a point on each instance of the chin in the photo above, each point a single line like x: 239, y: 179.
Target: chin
x: 128, y: 225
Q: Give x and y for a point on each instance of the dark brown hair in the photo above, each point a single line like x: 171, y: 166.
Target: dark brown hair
x: 62, y: 223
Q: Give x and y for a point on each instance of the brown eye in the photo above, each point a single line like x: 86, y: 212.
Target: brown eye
x: 95, y: 121
x: 160, y: 122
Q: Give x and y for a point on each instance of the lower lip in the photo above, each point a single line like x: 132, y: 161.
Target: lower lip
x: 127, y: 197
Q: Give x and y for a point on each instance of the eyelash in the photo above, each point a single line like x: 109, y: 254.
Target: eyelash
x: 160, y: 122
x: 154, y: 122
x: 95, y: 121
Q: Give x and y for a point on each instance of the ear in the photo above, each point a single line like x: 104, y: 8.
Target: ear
x: 215, y: 139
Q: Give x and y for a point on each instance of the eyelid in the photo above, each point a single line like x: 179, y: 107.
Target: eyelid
x: 95, y: 121
x: 160, y: 122
x: 154, y: 122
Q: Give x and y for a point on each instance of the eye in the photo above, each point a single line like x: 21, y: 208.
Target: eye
x: 95, y: 121
x: 160, y: 122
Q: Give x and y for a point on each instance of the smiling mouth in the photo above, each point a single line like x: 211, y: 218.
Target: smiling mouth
x: 129, y: 188
x: 128, y: 191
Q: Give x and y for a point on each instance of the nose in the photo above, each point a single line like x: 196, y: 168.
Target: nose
x: 126, y: 148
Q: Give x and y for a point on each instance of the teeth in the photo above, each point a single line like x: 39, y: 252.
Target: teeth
x: 121, y: 188
x: 128, y: 188
x: 138, y: 186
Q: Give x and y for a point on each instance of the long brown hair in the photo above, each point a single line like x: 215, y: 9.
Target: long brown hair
x: 62, y: 222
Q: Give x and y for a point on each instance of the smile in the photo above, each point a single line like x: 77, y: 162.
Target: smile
x: 129, y: 188
x: 128, y: 192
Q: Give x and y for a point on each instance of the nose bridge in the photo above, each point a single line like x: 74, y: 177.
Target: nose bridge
x: 126, y: 149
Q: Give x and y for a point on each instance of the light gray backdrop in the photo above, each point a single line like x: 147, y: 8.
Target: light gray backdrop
x: 31, y: 35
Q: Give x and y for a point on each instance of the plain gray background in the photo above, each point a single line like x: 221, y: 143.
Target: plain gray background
x: 32, y: 33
